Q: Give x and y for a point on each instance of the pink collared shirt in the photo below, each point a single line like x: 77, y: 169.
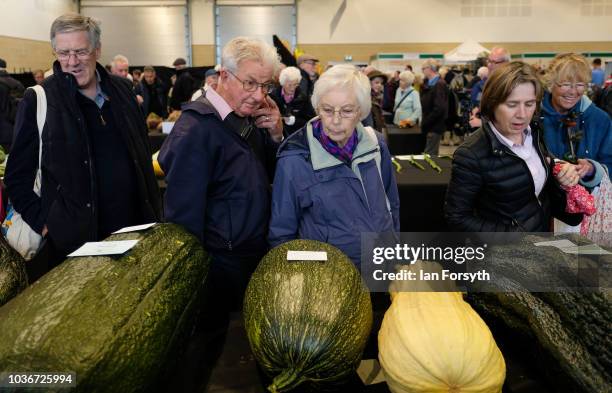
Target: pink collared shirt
x: 219, y: 103
x: 528, y: 153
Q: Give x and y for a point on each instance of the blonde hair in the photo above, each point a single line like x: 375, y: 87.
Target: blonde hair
x: 407, y: 77
x: 344, y: 76
x: 567, y: 67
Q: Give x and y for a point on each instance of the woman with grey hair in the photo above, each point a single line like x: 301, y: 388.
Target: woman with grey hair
x: 334, y: 178
x: 292, y: 103
x: 407, y: 108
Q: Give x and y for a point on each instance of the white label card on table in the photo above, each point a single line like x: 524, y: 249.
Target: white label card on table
x: 135, y: 228
x: 407, y: 157
x: 563, y: 243
x: 589, y: 249
x: 111, y: 247
x: 306, y: 255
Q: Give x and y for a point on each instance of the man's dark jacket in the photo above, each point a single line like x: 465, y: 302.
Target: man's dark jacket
x: 162, y: 96
x: 491, y: 189
x: 434, y: 102
x: 218, y: 186
x: 68, y: 204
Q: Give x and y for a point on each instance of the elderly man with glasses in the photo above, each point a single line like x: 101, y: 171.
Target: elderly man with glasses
x: 219, y: 163
x: 97, y: 174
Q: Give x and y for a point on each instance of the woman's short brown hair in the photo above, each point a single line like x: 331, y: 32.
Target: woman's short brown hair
x: 503, y: 81
x: 567, y: 67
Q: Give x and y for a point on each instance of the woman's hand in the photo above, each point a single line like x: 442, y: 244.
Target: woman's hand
x: 584, y: 168
x: 568, y: 175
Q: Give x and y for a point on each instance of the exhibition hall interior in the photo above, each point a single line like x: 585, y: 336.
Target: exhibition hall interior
x: 360, y: 196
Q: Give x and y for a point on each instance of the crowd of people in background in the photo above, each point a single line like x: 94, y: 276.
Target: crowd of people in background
x: 445, y: 102
x: 262, y: 153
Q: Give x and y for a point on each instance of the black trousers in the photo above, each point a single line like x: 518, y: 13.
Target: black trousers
x: 46, y: 259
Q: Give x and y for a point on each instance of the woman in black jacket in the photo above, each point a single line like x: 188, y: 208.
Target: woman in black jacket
x: 293, y: 104
x: 502, y: 178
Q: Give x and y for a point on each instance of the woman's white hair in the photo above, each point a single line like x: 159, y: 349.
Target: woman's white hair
x: 407, y: 77
x: 341, y: 77
x: 289, y: 74
x: 483, y: 72
x: 245, y: 48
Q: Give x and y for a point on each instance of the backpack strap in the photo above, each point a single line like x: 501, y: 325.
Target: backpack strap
x: 41, y: 117
x: 402, y: 100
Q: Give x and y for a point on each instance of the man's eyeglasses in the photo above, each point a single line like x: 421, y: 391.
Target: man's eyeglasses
x: 345, y: 113
x: 81, y: 54
x: 491, y: 61
x: 566, y: 86
x: 251, y: 86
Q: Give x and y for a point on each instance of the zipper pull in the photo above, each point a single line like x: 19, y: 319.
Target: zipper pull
x: 229, y: 245
x: 102, y: 119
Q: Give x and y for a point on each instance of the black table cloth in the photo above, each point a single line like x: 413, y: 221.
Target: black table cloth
x: 422, y: 194
x: 405, y: 140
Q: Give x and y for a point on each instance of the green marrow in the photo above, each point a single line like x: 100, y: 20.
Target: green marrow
x: 112, y: 321
x: 307, y: 321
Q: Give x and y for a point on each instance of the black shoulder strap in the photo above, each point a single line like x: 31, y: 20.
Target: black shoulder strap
x: 402, y: 100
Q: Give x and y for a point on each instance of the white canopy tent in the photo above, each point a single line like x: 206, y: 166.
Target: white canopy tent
x: 468, y: 51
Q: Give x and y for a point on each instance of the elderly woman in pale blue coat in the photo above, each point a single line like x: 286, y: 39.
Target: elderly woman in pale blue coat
x: 407, y: 107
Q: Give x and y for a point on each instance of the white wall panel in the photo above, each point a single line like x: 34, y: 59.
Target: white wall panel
x: 254, y: 21
x: 202, y: 22
x: 31, y: 19
x: 372, y: 21
x: 145, y: 35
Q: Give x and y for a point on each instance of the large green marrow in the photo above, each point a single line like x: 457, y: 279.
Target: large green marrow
x: 112, y: 321
x: 307, y: 321
x: 566, y: 333
x: 13, y: 276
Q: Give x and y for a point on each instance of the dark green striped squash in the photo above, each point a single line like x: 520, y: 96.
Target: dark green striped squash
x: 307, y: 321
x: 13, y: 277
x: 112, y: 321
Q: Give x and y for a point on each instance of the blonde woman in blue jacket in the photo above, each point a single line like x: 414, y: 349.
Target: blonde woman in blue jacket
x: 407, y: 107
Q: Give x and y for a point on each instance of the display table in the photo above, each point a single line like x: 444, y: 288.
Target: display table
x: 156, y: 139
x: 236, y: 370
x: 405, y: 140
x: 422, y: 194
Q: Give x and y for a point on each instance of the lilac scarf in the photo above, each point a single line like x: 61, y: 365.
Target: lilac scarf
x: 344, y: 154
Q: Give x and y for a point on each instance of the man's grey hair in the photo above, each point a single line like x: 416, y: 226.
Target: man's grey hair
x: 72, y: 22
x: 289, y: 74
x: 500, y: 50
x: 119, y: 59
x: 245, y: 48
x: 431, y: 63
x: 340, y: 77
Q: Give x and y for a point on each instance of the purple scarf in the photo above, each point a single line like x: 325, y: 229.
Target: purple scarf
x: 344, y: 154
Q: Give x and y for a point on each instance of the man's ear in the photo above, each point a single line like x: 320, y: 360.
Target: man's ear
x: 98, y: 51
